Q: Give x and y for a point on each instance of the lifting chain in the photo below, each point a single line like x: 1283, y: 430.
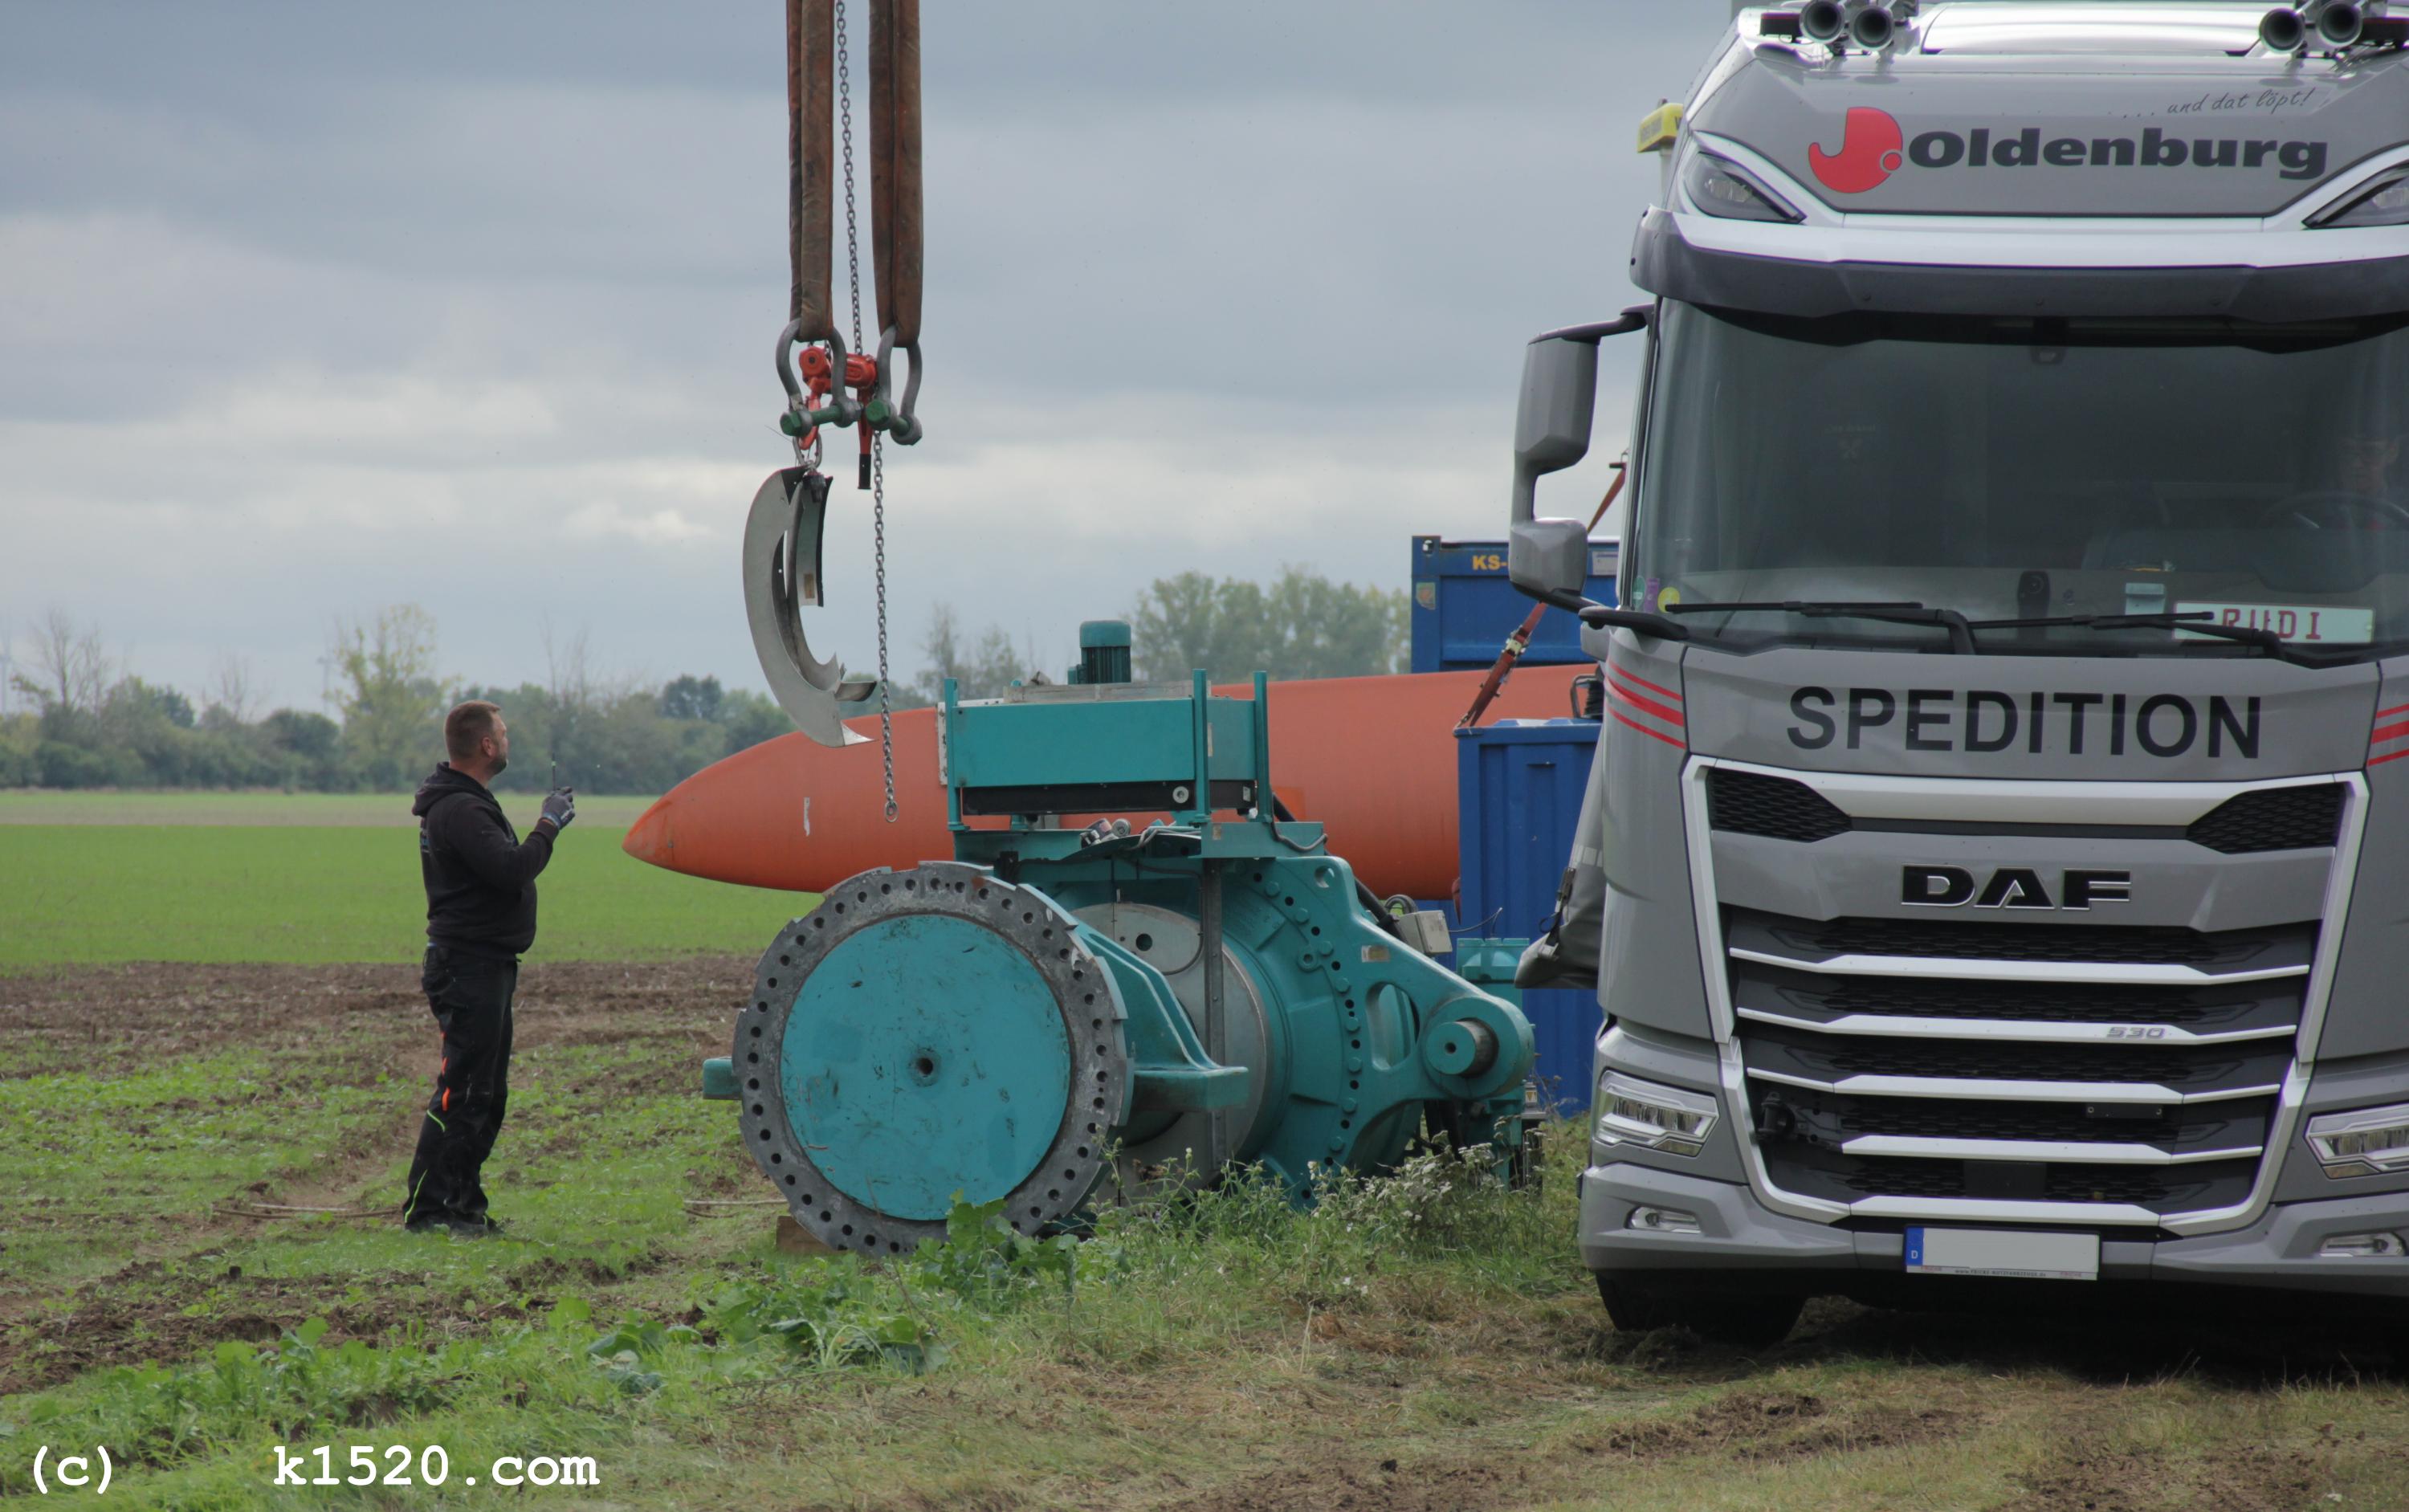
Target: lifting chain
x: 876, y: 461
x: 878, y: 526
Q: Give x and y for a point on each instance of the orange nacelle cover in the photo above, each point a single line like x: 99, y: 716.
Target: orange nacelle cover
x: 1372, y: 758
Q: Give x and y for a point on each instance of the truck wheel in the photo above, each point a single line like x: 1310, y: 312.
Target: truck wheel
x: 1746, y: 1322
x: 2398, y: 1337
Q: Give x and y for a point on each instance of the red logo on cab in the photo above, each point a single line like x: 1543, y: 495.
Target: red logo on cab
x: 1871, y: 149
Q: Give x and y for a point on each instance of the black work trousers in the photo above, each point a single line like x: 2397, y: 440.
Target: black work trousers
x: 470, y: 997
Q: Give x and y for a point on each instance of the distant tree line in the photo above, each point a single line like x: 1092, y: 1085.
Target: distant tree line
x: 94, y: 723
x: 91, y: 721
x: 1300, y: 624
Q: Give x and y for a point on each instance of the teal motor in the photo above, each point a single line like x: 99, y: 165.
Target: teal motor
x: 1063, y: 1008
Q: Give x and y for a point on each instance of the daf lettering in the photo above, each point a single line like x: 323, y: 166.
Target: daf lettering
x: 2011, y: 886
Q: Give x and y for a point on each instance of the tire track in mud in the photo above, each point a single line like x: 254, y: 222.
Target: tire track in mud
x: 1757, y: 1425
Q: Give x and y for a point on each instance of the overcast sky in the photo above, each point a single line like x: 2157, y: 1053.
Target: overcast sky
x: 310, y: 309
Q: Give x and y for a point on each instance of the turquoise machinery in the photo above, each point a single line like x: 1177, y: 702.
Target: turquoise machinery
x: 1057, y: 1009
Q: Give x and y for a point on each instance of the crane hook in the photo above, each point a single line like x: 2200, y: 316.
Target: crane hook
x: 782, y: 576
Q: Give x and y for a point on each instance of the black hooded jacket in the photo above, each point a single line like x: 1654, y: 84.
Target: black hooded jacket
x: 479, y: 880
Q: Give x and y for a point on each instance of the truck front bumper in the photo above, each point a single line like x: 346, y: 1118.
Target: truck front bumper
x: 1741, y: 1245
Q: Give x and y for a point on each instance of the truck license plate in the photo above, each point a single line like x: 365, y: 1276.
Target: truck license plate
x: 2052, y: 1256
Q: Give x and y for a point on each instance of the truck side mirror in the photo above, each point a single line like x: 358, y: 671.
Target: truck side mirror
x: 1546, y: 558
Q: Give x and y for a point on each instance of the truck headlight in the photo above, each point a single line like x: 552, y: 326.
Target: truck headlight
x: 2368, y: 1142
x: 1653, y: 1115
x: 1726, y: 191
x: 2385, y: 202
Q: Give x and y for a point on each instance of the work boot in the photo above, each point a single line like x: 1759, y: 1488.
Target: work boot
x: 453, y: 1224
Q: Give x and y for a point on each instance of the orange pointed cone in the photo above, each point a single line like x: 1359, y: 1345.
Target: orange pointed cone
x: 1372, y: 758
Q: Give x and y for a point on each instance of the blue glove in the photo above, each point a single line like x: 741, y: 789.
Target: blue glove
x: 559, y: 807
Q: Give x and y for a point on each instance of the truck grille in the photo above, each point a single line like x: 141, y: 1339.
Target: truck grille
x: 1751, y: 803
x: 1820, y: 1056
x: 2178, y: 1188
x: 2206, y: 1010
x: 2124, y: 1074
x: 2301, y: 818
x: 2145, y: 945
x: 2271, y: 819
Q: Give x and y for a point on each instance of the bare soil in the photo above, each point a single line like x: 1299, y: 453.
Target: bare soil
x: 177, y: 1009
x: 2240, y: 1480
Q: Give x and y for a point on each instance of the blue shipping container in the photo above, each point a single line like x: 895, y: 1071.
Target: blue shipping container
x: 1465, y: 608
x: 1519, y: 785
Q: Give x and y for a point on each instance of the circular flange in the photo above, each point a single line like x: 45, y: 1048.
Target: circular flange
x: 924, y: 1032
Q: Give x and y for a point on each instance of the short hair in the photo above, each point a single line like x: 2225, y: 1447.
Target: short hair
x: 465, y: 726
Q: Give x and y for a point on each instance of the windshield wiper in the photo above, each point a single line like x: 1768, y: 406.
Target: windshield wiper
x: 1634, y: 619
x: 1961, y: 630
x: 2197, y: 622
x: 1961, y: 635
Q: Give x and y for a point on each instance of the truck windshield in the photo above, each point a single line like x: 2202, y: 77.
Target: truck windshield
x: 2029, y: 468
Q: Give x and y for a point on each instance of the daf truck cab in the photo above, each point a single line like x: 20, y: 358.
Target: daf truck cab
x: 1996, y: 868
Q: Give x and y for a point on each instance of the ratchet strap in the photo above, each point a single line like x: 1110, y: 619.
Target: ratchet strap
x: 895, y: 243
x: 811, y: 162
x: 1519, y: 641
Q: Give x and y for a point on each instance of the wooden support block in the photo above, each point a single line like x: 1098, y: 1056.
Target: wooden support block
x: 794, y: 1239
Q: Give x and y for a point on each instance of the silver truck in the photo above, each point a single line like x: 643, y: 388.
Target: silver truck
x: 1996, y: 869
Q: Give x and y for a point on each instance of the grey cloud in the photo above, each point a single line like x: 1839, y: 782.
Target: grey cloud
x: 301, y: 294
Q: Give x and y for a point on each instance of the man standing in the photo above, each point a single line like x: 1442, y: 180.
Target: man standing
x: 480, y: 915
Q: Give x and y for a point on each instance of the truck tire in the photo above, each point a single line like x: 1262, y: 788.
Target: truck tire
x: 1745, y: 1322
x: 2397, y: 1336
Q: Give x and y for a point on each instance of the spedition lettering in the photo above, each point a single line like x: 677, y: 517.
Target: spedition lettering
x: 1983, y: 720
x: 2154, y: 149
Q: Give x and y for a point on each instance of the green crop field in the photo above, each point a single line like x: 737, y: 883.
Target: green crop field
x: 26, y: 805
x: 80, y: 892
x: 212, y: 1058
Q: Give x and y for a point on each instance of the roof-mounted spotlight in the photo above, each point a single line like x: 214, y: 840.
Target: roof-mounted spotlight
x: 2339, y: 23
x: 1822, y: 20
x: 2283, y: 29
x: 1873, y: 28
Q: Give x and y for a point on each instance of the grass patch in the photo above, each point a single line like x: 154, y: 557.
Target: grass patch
x: 78, y: 893
x: 86, y: 1162
x: 1425, y: 1343
x: 641, y: 1375
x: 1219, y: 1352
